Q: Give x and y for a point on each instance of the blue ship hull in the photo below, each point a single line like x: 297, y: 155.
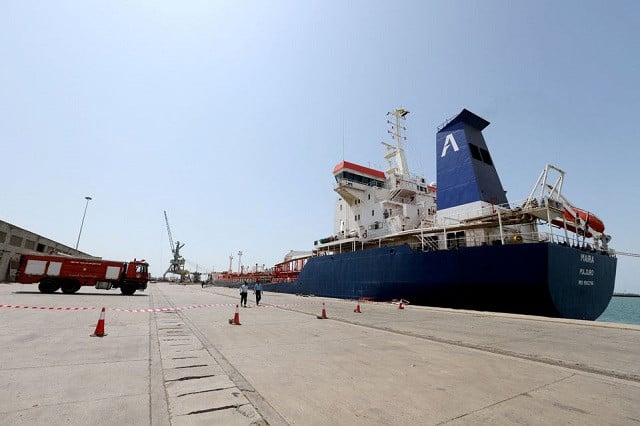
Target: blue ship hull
x: 536, y: 279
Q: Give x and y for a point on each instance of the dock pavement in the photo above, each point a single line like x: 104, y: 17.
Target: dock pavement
x: 170, y: 357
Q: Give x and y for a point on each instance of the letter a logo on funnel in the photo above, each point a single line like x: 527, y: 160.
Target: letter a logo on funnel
x: 449, y: 142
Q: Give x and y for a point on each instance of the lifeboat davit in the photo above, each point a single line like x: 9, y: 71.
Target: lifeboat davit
x: 574, y: 216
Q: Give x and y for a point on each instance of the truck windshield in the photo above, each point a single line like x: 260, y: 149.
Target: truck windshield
x: 141, y: 269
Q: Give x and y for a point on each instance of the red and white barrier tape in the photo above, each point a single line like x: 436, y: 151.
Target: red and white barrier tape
x: 146, y: 310
x: 51, y: 308
x: 182, y: 308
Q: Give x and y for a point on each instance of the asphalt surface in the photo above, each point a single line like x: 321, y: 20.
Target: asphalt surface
x: 170, y: 357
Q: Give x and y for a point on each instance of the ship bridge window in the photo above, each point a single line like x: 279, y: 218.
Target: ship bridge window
x: 353, y: 177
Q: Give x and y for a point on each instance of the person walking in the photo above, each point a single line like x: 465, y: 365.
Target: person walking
x: 243, y: 294
x: 257, y: 289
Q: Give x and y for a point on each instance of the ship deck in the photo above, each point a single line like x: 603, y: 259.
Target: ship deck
x: 418, y: 238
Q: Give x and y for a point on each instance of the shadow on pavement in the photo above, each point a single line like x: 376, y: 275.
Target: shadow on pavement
x: 82, y: 294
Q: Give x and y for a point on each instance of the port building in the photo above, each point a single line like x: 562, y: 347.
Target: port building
x: 15, y: 241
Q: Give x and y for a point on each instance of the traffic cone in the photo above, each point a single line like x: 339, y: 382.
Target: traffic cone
x: 236, y: 317
x: 400, y: 305
x: 100, y: 326
x: 324, y: 313
x: 357, y: 309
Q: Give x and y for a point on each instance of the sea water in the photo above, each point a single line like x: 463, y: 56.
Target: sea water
x: 621, y: 309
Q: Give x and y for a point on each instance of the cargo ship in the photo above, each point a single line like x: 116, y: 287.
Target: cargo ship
x: 457, y: 242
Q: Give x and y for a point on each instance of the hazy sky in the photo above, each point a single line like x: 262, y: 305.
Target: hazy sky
x: 231, y: 115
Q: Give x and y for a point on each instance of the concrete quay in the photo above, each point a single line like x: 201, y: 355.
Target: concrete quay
x: 170, y: 357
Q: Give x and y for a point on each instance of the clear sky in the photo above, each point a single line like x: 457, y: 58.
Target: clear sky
x: 231, y: 115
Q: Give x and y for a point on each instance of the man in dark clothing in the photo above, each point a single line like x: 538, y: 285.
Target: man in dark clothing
x: 257, y: 289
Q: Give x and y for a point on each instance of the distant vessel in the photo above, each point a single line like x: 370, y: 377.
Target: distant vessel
x: 459, y: 244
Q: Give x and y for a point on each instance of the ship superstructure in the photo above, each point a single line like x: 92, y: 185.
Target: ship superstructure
x: 373, y: 203
x: 467, y: 208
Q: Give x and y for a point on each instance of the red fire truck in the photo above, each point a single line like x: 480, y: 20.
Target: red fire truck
x: 71, y: 273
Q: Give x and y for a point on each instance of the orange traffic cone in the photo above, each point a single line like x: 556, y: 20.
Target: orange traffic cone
x: 357, y: 309
x: 324, y: 313
x: 400, y: 305
x: 236, y: 317
x: 100, y: 326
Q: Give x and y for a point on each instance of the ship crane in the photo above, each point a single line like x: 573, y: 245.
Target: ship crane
x: 176, y: 265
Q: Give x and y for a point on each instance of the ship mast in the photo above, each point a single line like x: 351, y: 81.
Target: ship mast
x: 395, y: 154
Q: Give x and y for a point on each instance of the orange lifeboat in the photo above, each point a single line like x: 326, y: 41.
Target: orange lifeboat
x: 583, y: 217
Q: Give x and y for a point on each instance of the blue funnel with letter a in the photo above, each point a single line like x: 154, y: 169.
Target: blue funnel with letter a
x: 465, y: 170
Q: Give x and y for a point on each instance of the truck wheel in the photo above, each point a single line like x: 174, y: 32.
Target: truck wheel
x: 127, y: 290
x: 70, y: 287
x: 48, y: 286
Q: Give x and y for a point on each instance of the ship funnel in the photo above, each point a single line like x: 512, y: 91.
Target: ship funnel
x: 465, y: 171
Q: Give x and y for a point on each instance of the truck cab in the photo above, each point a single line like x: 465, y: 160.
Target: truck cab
x: 136, y: 272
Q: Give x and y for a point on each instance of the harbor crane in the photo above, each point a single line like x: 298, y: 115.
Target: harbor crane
x: 176, y: 265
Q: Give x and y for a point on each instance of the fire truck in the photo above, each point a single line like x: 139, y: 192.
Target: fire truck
x: 70, y: 273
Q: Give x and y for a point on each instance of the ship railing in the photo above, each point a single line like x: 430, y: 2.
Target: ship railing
x: 441, y: 240
x: 537, y: 236
x: 344, y: 182
x: 575, y: 241
x: 487, y: 211
x: 409, y: 178
x: 426, y: 243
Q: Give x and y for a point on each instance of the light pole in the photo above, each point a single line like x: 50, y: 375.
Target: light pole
x: 82, y: 223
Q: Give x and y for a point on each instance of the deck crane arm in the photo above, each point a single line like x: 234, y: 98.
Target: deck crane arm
x: 169, y: 232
